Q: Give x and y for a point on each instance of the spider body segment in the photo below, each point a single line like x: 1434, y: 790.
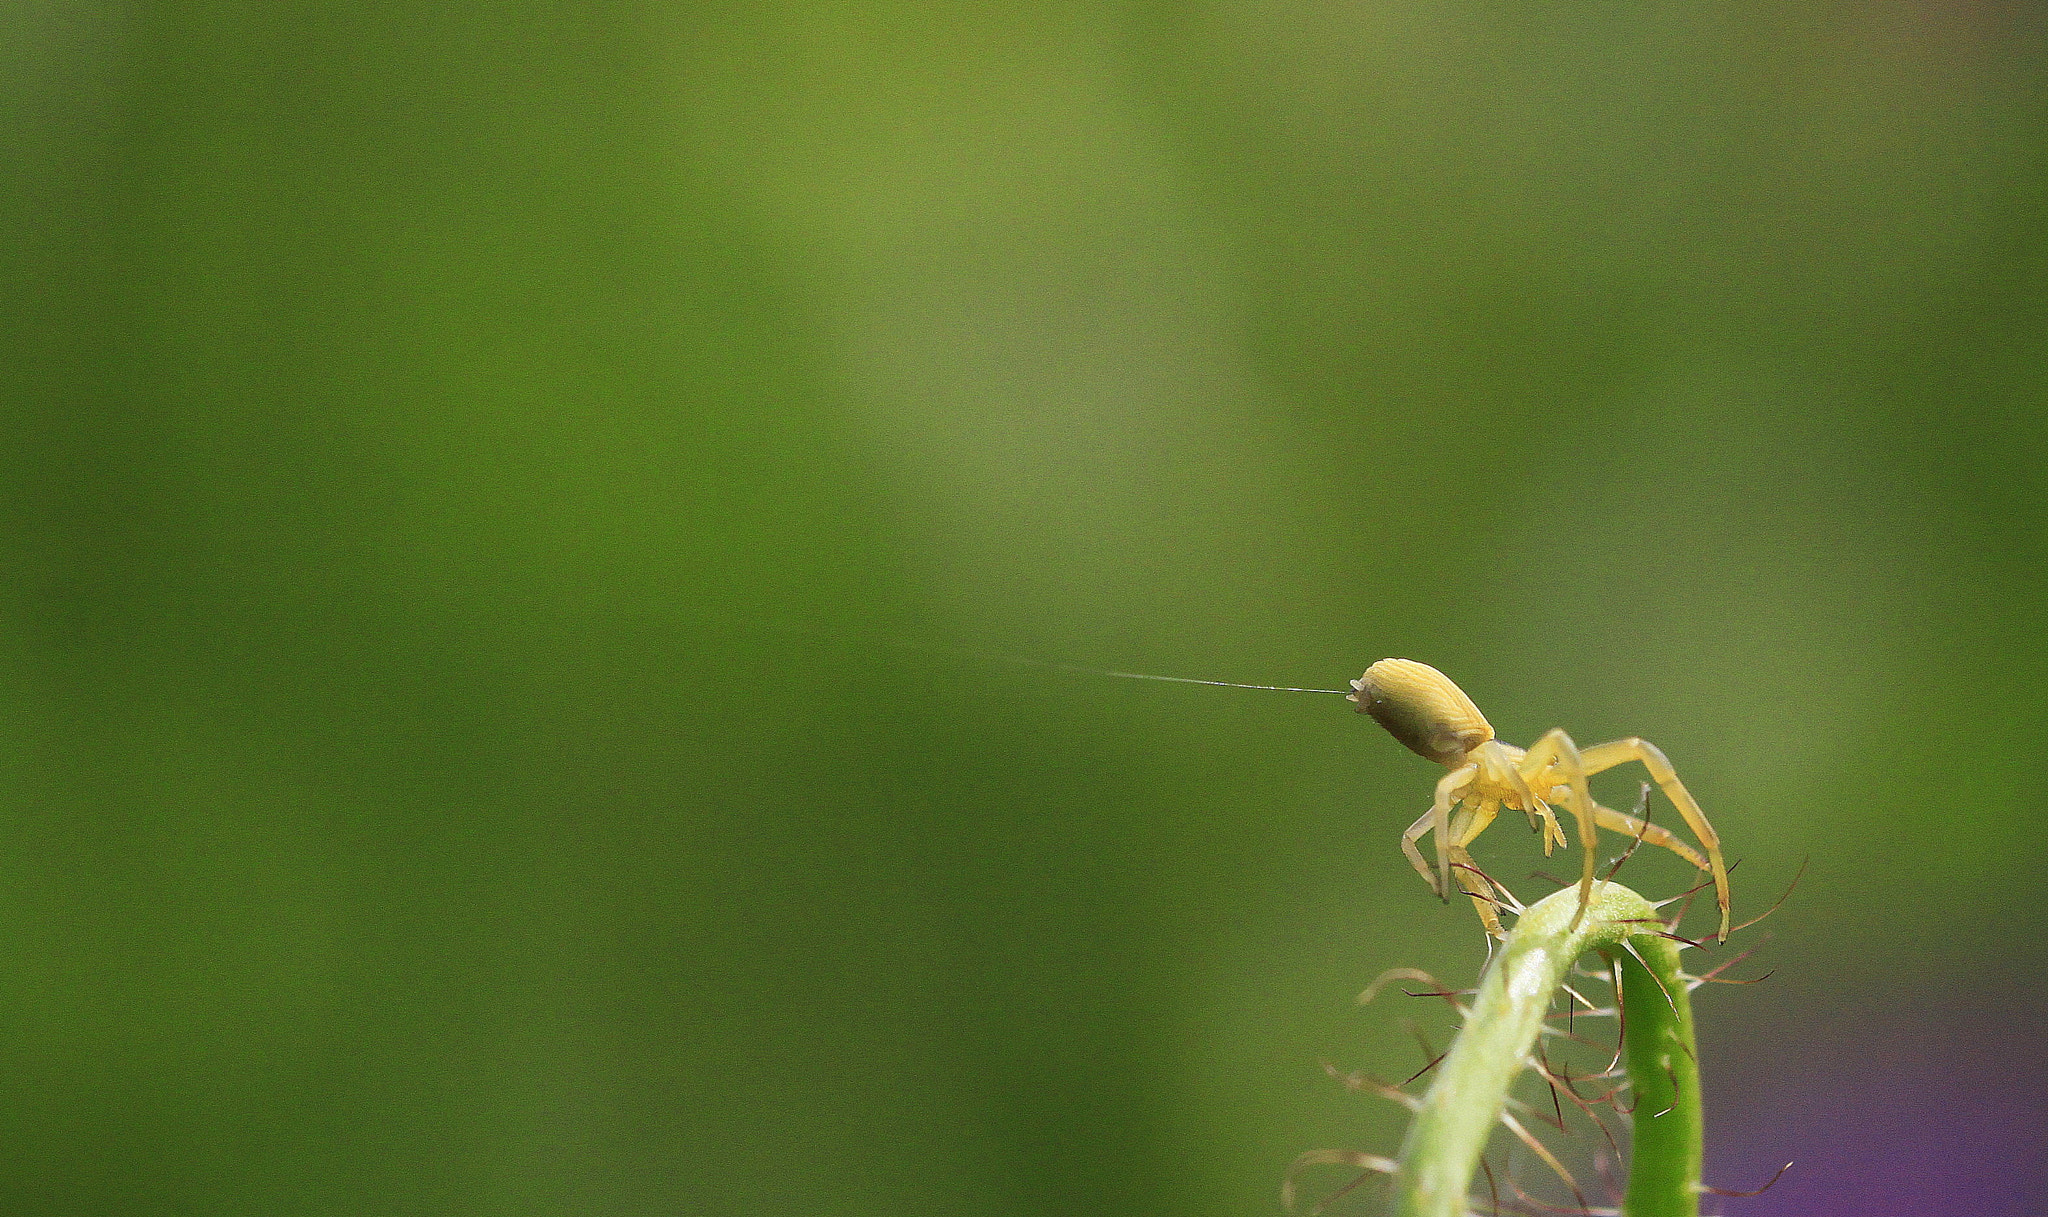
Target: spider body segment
x: 1423, y: 709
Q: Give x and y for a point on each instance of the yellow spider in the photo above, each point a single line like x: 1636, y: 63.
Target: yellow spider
x: 1420, y: 707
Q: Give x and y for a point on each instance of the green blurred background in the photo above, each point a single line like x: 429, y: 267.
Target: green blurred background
x: 491, y: 492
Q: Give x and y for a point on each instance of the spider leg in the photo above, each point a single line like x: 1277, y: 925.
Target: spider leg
x: 1448, y: 791
x: 1606, y: 756
x: 1476, y: 821
x: 1556, y: 751
x: 1483, y: 900
x: 1408, y: 839
x: 1652, y: 834
x: 1461, y: 830
x: 1510, y: 766
x: 1471, y: 821
x: 1553, y: 836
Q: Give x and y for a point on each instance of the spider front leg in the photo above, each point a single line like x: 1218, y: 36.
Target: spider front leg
x: 1416, y: 832
x: 1468, y: 821
x: 1602, y: 757
x: 1556, y: 752
x: 1449, y: 790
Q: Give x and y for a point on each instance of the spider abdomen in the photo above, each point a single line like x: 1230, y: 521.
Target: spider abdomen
x: 1422, y: 708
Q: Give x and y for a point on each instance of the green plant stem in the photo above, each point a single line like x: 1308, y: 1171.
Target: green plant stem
x: 1664, y: 1073
x: 1457, y: 1116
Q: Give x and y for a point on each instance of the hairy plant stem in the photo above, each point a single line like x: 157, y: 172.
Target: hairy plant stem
x: 1444, y: 1145
x: 1664, y: 1072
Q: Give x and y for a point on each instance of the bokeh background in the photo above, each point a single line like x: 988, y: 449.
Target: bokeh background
x: 503, y: 504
